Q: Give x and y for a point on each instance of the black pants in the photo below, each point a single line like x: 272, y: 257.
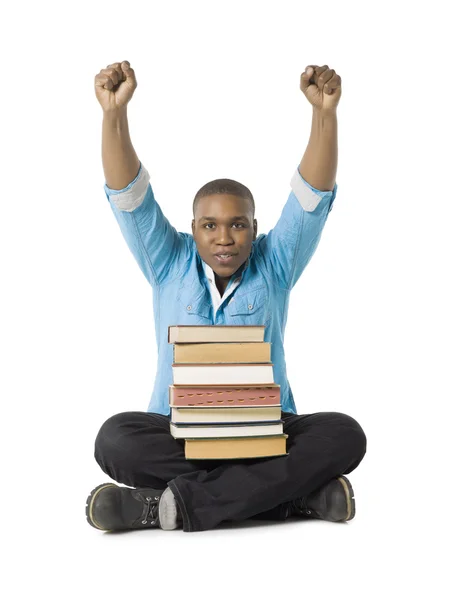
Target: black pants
x: 138, y: 450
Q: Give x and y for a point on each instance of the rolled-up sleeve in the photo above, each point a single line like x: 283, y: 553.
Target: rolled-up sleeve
x: 288, y: 247
x: 159, y: 249
x: 308, y: 196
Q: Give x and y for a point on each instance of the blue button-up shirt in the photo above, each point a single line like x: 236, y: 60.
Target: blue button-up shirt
x: 184, y: 289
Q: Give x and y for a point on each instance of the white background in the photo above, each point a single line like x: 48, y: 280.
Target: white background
x: 218, y: 96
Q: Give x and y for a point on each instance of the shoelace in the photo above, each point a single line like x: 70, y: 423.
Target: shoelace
x: 301, y: 506
x: 151, y: 510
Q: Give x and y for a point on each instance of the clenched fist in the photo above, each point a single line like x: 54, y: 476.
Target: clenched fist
x: 322, y: 87
x: 115, y: 85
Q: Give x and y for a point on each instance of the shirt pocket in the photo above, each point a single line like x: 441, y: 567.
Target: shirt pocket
x: 194, y: 306
x: 250, y: 308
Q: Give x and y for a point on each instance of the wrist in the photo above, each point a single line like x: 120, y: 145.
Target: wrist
x: 325, y: 113
x: 115, y: 114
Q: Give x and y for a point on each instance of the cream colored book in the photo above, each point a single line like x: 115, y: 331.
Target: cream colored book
x: 218, y: 414
x: 231, y: 374
x: 234, y: 430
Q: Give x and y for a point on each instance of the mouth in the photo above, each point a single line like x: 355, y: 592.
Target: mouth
x: 224, y: 259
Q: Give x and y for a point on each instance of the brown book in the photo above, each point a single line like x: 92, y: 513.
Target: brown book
x: 215, y: 333
x: 222, y: 448
x: 225, y: 395
x: 249, y: 352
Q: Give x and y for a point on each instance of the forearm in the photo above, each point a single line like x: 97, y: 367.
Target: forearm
x: 120, y: 161
x: 319, y: 164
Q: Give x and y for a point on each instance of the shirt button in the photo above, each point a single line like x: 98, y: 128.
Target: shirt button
x: 189, y: 307
x: 250, y: 306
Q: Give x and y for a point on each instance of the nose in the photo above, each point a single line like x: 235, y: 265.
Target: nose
x: 223, y: 237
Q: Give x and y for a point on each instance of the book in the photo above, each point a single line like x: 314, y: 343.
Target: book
x: 224, y: 401
x: 240, y: 373
x: 224, y: 448
x: 219, y: 430
x: 215, y: 333
x: 218, y: 414
x: 222, y: 395
x: 231, y: 352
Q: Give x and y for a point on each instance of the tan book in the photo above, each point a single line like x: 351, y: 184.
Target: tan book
x: 250, y: 447
x: 227, y: 374
x: 215, y: 333
x: 217, y: 414
x: 248, y: 352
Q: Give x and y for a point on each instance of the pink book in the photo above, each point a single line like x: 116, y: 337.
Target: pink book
x: 225, y: 395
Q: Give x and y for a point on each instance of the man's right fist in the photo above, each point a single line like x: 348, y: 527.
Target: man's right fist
x: 115, y: 85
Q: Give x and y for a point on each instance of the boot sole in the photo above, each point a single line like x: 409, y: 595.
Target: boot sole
x: 90, y: 502
x: 349, y: 493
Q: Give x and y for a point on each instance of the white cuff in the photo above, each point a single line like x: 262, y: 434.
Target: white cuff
x: 307, y: 197
x: 133, y: 195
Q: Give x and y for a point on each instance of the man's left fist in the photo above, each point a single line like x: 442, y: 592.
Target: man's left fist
x: 322, y: 87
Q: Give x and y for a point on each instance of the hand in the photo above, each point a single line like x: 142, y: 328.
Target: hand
x: 115, y: 85
x: 322, y: 87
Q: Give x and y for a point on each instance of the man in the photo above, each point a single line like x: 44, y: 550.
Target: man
x: 221, y: 274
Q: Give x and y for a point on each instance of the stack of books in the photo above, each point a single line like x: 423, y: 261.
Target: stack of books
x: 224, y: 402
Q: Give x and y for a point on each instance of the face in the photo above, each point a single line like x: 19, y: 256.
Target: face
x: 223, y: 224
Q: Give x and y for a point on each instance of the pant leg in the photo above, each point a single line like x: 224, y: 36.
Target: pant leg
x: 320, y: 446
x: 137, y: 449
x: 279, y: 512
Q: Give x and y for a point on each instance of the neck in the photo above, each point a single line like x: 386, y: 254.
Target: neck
x: 221, y: 283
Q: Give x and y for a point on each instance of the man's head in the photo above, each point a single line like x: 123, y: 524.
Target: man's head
x: 223, y: 223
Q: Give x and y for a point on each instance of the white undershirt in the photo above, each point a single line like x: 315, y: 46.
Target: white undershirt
x: 217, y: 299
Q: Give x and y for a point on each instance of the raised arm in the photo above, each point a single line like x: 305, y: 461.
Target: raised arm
x: 289, y: 246
x: 322, y: 88
x: 120, y: 161
x: 319, y: 163
x: 114, y: 88
x: 160, y: 251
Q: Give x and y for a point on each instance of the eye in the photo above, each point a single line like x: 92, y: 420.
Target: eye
x: 242, y: 225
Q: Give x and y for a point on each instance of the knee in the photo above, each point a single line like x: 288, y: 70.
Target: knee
x: 351, y: 434
x: 110, y: 436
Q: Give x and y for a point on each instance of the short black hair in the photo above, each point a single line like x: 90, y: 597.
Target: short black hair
x: 224, y: 186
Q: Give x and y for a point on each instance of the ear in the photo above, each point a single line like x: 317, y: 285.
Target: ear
x: 255, y: 229
x: 193, y: 226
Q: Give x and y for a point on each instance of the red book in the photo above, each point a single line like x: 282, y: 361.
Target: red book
x: 225, y: 395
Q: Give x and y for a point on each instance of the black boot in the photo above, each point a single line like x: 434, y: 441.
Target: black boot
x: 110, y: 507
x: 334, y: 501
